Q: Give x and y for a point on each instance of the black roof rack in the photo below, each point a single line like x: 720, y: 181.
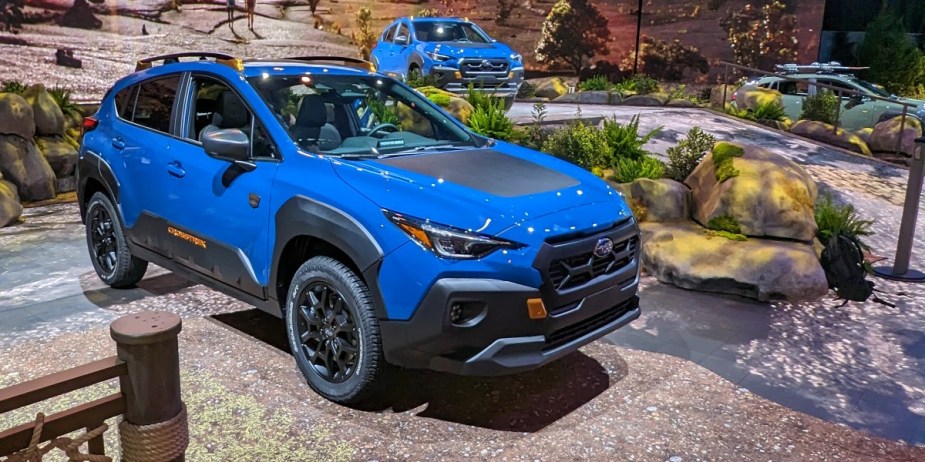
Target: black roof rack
x: 221, y: 58
x: 339, y: 60
x: 820, y: 68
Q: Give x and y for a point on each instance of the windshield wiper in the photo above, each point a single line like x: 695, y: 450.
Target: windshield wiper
x: 418, y: 149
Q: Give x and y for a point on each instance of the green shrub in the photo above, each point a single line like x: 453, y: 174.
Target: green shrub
x: 535, y: 135
x: 624, y: 140
x: 820, y: 107
x: 427, y: 13
x: 727, y: 235
x: 439, y: 99
x: 769, y: 110
x: 683, y: 158
x: 62, y: 97
x: 680, y: 92
x: 629, y: 169
x: 734, y: 111
x: 723, y: 153
x: 418, y: 80
x: 492, y: 121
x: 12, y: 86
x: 481, y: 99
x: 833, y: 219
x: 526, y: 90
x: 726, y: 223
x: 580, y: 144
x: 383, y: 114
x: 595, y: 83
x: 639, y: 84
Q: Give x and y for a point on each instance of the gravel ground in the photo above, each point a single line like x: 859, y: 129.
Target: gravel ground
x: 603, y: 403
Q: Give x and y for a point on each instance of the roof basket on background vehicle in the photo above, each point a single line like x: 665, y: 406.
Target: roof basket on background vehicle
x: 220, y: 58
x: 338, y: 60
x: 821, y: 68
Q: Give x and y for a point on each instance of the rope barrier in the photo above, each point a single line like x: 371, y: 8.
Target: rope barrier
x: 71, y: 446
x: 160, y: 442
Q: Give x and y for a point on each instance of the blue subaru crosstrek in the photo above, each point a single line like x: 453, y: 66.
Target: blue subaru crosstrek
x: 456, y: 52
x: 381, y: 229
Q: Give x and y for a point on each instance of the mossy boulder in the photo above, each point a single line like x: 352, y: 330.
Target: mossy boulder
x: 826, y: 133
x: 10, y: 208
x: 456, y: 105
x: 678, y: 102
x: 663, y: 199
x: 23, y: 165
x: 752, y: 97
x: 886, y: 134
x: 60, y: 152
x: 688, y: 256
x: 49, y: 120
x: 766, y: 194
x: 16, y: 116
x: 652, y: 99
x: 551, y: 88
x: 864, y: 134
x: 591, y: 97
x: 716, y: 95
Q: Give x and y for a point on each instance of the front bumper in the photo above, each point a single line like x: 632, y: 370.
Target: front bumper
x: 453, y: 80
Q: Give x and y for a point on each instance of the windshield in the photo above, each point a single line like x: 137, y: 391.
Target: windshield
x: 875, y: 89
x: 434, y: 31
x: 351, y: 115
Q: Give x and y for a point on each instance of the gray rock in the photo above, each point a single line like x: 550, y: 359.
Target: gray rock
x: 687, y: 256
x: 23, y: 165
x: 886, y: 134
x: 16, y: 116
x: 654, y: 99
x: 10, y: 208
x: 49, y: 120
x: 771, y: 196
x: 590, y: 97
x: 664, y: 199
x: 826, y: 133
x: 60, y: 154
x: 66, y: 184
x: 677, y: 102
x: 551, y: 88
x: 716, y: 95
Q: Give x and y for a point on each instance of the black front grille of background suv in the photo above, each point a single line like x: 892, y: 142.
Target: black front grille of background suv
x: 576, y: 270
x: 483, y: 67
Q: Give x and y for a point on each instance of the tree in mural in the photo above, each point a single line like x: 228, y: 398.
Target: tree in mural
x: 11, y: 16
x: 364, y: 37
x: 313, y: 5
x: 505, y: 8
x: 81, y: 15
x: 894, y: 59
x: 762, y: 37
x: 573, y: 32
x: 668, y: 60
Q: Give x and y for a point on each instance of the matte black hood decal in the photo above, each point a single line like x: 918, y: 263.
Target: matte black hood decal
x: 486, y: 170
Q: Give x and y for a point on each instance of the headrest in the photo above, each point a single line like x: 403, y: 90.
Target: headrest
x: 230, y: 111
x: 313, y: 112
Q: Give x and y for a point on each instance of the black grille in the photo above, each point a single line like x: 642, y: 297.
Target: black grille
x: 484, y: 67
x: 567, y: 334
x: 578, y: 270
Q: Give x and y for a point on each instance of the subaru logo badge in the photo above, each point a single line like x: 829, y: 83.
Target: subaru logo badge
x: 603, y: 247
x: 486, y: 63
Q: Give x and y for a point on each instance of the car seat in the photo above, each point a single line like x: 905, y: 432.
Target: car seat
x: 230, y: 112
x: 312, y: 127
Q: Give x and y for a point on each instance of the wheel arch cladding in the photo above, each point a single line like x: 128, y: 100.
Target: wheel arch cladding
x: 306, y: 228
x: 95, y: 176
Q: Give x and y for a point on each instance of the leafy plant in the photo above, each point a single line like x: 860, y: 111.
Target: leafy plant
x: 684, y: 158
x: 639, y: 209
x: 364, y: 36
x: 62, y: 97
x: 418, y: 80
x: 595, y: 83
x: 535, y: 136
x: 624, y: 139
x: 481, y: 99
x: 579, y: 143
x: 491, y: 120
x: 574, y: 31
x: 723, y: 153
x: 383, y: 114
x: 727, y: 235
x: 629, y: 169
x: 526, y: 90
x: 726, y: 223
x: 639, y: 84
x: 833, y: 218
x: 821, y: 106
x: 768, y: 110
x: 12, y: 86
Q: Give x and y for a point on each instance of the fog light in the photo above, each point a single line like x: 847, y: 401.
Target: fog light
x: 456, y: 313
x: 466, y: 313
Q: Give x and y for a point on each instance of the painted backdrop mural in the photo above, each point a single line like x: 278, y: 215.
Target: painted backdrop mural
x: 88, y: 44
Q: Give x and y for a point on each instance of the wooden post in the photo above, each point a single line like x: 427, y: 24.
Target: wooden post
x: 725, y: 82
x: 147, y: 342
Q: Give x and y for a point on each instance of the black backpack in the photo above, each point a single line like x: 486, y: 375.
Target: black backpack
x: 843, y: 263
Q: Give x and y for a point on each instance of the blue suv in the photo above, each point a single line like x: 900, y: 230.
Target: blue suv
x: 381, y: 229
x: 456, y: 52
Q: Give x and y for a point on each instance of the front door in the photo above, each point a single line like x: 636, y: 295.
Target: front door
x: 219, y: 213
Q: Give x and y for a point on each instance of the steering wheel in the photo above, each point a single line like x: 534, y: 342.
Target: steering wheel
x: 381, y: 127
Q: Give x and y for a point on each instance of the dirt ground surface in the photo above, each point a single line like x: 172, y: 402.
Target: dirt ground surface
x: 247, y: 401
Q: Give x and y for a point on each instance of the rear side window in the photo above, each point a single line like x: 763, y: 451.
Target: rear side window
x: 389, y: 34
x: 154, y: 103
x: 125, y: 102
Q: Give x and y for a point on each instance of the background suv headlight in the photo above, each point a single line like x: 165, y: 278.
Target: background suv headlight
x: 447, y: 241
x: 437, y: 56
x: 516, y: 57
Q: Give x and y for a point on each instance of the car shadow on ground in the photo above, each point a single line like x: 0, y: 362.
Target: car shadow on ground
x: 525, y: 402
x: 104, y: 296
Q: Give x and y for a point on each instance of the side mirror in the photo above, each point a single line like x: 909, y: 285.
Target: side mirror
x: 402, y: 40
x: 229, y: 144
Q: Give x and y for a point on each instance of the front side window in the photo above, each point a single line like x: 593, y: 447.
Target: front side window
x: 401, y: 36
x: 368, y: 115
x: 215, y: 106
x: 154, y: 103
x: 434, y: 31
x: 790, y: 87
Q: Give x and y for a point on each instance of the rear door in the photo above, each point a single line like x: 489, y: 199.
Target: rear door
x: 855, y: 113
x: 219, y: 213
x: 384, y: 52
x: 792, y: 95
x: 403, y: 48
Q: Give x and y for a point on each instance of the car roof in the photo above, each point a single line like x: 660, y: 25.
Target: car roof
x: 810, y: 75
x: 437, y: 19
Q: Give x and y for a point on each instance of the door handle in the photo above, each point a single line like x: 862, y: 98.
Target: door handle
x: 118, y: 143
x: 176, y: 169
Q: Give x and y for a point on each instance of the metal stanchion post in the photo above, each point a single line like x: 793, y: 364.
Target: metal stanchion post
x: 900, y: 270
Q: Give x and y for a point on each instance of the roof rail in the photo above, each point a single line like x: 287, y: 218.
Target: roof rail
x: 821, y: 68
x: 339, y: 60
x: 221, y: 58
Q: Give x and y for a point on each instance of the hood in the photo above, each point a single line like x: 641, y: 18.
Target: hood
x: 486, y: 190
x: 458, y: 50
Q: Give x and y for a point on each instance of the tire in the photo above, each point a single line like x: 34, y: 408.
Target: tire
x: 414, y: 72
x: 109, y: 252
x: 509, y: 102
x: 334, y: 333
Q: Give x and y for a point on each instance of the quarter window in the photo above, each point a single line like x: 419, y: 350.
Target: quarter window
x: 125, y: 102
x: 154, y: 103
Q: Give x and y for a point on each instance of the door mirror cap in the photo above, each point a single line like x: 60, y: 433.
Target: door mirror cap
x: 402, y: 40
x: 229, y: 144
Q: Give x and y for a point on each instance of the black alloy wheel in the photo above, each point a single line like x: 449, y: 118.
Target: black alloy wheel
x: 328, y: 333
x: 103, y: 239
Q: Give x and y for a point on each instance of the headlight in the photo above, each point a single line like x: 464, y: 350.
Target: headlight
x: 516, y: 57
x: 446, y: 241
x: 437, y: 56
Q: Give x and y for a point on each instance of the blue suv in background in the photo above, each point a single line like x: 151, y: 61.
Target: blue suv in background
x: 381, y: 229
x: 456, y: 52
